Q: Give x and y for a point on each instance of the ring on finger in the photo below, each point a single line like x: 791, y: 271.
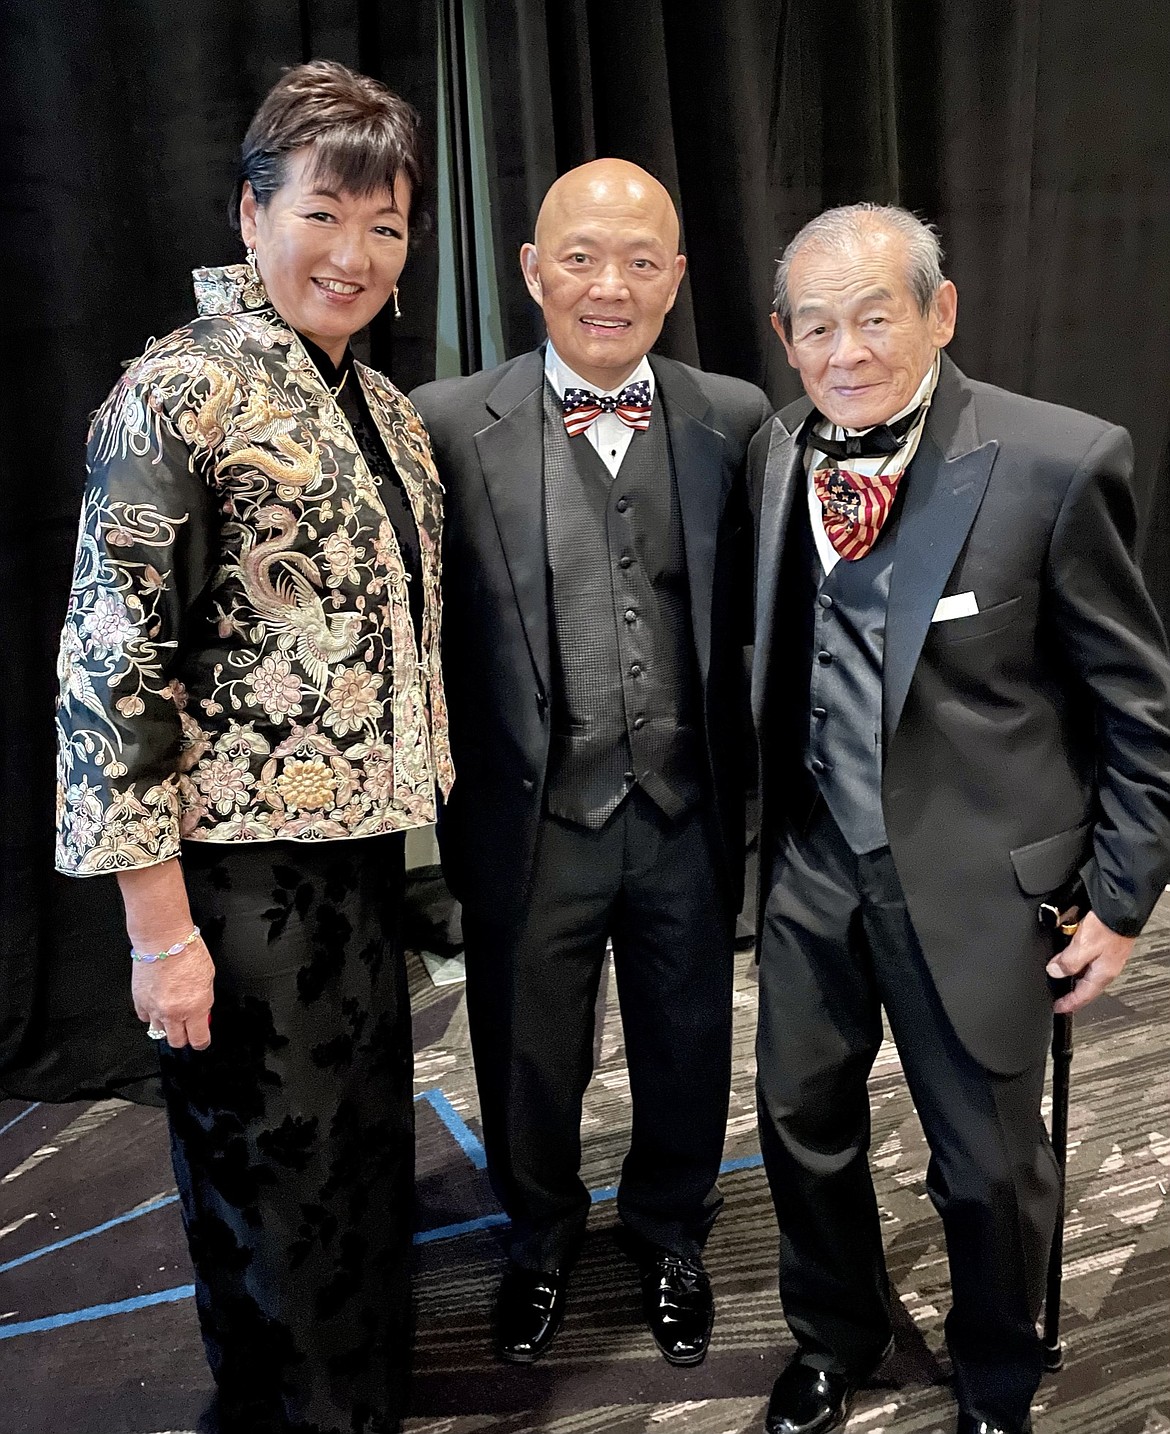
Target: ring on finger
x: 156, y: 1033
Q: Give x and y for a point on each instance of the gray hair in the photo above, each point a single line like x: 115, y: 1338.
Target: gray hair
x: 838, y: 229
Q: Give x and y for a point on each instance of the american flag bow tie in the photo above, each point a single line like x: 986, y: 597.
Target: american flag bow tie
x: 632, y: 406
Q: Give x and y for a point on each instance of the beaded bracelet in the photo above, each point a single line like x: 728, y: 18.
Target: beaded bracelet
x: 170, y: 951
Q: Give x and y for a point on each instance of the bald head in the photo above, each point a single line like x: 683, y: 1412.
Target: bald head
x: 604, y: 267
x: 613, y: 186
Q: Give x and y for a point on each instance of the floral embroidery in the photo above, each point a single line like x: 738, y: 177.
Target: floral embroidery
x: 308, y: 785
x: 106, y: 628
x: 239, y: 606
x: 275, y: 687
x: 225, y: 782
x: 342, y: 556
x: 353, y: 699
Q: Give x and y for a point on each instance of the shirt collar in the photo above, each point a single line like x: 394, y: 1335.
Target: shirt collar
x: 561, y: 376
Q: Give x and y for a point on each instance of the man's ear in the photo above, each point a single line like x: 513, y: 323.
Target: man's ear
x: 530, y: 268
x: 944, y: 313
x: 784, y: 339
x: 680, y: 268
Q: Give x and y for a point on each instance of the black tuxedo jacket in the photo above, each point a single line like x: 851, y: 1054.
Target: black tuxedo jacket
x: 1022, y: 742
x: 489, y: 450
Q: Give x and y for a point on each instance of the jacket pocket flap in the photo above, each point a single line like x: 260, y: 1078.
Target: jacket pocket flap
x: 1042, y: 866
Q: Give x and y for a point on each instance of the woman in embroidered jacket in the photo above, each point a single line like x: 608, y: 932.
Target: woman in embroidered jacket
x: 251, y: 717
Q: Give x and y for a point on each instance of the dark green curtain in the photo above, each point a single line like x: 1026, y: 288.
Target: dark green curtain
x: 120, y: 123
x: 1037, y: 135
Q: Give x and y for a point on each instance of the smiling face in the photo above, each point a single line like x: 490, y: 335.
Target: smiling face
x: 605, y: 268
x: 329, y: 259
x: 858, y: 337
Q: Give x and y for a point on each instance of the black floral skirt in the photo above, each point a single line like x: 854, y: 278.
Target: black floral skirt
x: 293, y: 1136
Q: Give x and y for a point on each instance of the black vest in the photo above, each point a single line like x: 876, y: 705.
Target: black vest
x: 625, y: 685
x: 841, y: 660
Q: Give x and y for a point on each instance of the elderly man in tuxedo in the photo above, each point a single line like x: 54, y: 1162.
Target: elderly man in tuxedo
x: 962, y: 697
x: 596, y: 601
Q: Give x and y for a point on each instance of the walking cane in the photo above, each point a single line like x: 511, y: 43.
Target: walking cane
x: 1063, y: 924
x: 1062, y: 1053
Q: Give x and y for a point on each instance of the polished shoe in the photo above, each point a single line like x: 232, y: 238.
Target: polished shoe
x: 677, y: 1303
x: 808, y: 1401
x: 529, y: 1309
x: 975, y: 1424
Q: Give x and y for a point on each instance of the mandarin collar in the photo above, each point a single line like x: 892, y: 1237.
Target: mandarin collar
x: 229, y: 289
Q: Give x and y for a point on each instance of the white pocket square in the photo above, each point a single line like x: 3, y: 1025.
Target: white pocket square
x: 957, y: 605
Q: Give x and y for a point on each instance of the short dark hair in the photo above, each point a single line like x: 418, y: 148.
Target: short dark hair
x: 363, y: 135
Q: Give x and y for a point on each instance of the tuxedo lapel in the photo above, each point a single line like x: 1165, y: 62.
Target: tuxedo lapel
x: 783, y: 479
x: 699, y: 455
x: 944, y: 488
x: 511, y: 456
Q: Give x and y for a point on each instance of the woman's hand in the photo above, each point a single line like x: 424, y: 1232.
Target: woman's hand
x: 174, y: 994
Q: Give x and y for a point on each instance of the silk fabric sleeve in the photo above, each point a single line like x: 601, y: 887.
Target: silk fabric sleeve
x: 143, y: 555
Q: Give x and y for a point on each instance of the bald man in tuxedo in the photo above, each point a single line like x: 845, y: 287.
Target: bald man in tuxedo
x: 596, y: 594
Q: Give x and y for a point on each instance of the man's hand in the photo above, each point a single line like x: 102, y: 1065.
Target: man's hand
x: 175, y: 995
x: 1094, y: 957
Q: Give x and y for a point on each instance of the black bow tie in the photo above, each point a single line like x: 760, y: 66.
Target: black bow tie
x: 876, y: 442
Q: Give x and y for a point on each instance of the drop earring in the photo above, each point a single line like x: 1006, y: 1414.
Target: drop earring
x: 250, y: 260
x: 397, y: 306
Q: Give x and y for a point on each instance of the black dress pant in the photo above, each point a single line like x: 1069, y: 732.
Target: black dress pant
x: 649, y: 885
x: 292, y: 1136
x: 836, y: 947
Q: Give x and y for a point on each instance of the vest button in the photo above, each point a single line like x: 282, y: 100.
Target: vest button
x: 825, y: 600
x: 639, y: 723
x: 621, y: 505
x: 824, y: 658
x: 631, y: 615
x: 528, y: 784
x: 635, y: 669
x: 819, y: 713
x: 625, y: 560
x: 818, y: 766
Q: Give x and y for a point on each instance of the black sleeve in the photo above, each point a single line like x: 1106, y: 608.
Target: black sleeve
x: 1113, y: 638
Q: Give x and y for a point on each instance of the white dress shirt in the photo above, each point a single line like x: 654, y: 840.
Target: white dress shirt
x: 828, y: 554
x: 608, y: 434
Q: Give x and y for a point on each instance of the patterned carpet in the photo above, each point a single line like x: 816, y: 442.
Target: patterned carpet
x: 97, y: 1327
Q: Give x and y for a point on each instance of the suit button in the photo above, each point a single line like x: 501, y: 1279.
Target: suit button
x: 635, y: 669
x: 625, y: 560
x: 818, y: 766
x: 631, y: 614
x: 629, y: 776
x: 529, y: 785
x: 621, y: 505
x: 639, y: 723
x: 819, y: 713
x: 825, y: 600
x: 824, y: 658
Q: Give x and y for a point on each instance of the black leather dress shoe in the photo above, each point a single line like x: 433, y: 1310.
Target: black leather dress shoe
x: 677, y: 1303
x: 529, y: 1309
x: 976, y: 1424
x: 808, y: 1401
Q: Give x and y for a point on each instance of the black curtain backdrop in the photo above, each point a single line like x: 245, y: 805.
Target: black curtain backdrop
x: 1037, y: 135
